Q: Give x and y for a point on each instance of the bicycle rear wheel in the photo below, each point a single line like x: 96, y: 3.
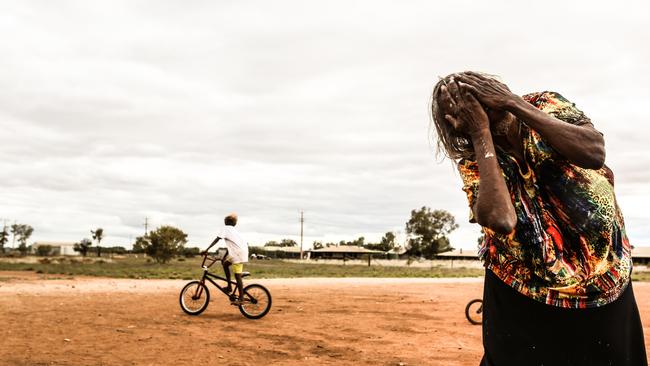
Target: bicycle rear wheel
x: 257, y: 301
x: 194, y: 298
x: 474, y: 311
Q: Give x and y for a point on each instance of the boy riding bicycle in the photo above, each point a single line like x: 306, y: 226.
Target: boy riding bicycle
x: 236, y: 255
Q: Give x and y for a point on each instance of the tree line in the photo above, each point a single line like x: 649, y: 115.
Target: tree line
x: 427, y: 235
x: 19, y: 232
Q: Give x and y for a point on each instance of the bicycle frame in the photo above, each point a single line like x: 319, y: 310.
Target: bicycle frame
x: 207, y: 275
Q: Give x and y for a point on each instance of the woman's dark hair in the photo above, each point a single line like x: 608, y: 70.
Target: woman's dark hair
x: 453, y: 144
x: 230, y: 220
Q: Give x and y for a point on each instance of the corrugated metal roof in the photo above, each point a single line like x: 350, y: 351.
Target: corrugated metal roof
x: 346, y: 249
x: 53, y: 244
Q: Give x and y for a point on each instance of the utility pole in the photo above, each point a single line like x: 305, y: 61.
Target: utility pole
x: 146, y: 226
x: 302, y: 221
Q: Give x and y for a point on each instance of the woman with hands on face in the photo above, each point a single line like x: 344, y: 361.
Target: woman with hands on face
x: 557, y: 286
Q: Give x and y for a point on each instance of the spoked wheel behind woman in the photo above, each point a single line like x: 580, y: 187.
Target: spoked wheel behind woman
x: 557, y: 285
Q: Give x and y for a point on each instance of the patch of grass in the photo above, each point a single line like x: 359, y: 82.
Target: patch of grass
x: 640, y: 276
x: 191, y: 269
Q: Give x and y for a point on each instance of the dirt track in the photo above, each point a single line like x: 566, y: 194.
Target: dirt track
x: 92, y: 321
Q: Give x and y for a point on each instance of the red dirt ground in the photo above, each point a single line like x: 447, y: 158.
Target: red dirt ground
x: 96, y: 321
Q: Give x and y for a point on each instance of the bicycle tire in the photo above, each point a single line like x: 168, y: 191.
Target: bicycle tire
x: 202, y: 305
x: 257, y: 301
x: 474, y: 315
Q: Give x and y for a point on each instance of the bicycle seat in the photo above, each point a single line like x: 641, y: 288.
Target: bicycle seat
x: 245, y: 274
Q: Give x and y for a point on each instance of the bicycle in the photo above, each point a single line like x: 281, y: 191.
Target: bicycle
x: 474, y: 311
x: 195, y: 296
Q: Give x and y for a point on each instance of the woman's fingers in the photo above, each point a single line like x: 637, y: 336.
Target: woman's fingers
x: 453, y: 121
x: 446, y: 101
x: 469, y: 88
x: 454, y: 90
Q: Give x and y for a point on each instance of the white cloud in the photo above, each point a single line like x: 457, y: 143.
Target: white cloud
x: 183, y: 112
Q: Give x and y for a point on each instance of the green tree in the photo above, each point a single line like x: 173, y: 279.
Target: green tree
x: 387, y: 243
x: 164, y: 243
x: 139, y: 245
x: 23, y: 234
x: 98, y: 234
x: 83, y: 246
x: 191, y: 252
x: 15, y: 230
x: 317, y: 245
x: 4, y: 238
x: 357, y: 242
x: 428, y: 232
x: 272, y: 243
x: 44, y: 250
x: 288, y: 243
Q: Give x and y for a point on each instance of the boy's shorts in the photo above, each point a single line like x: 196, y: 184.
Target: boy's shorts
x: 236, y: 267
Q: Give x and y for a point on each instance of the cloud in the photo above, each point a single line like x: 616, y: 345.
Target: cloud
x: 111, y: 112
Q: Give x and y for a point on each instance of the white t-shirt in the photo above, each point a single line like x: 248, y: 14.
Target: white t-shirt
x: 237, y: 247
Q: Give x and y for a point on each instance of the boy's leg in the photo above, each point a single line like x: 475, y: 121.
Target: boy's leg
x: 240, y: 286
x: 226, y: 271
x: 237, y: 269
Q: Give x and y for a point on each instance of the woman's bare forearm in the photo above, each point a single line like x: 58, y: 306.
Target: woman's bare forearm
x: 493, y: 207
x: 581, y: 145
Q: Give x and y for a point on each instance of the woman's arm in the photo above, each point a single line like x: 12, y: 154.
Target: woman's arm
x: 493, y: 207
x: 584, y: 146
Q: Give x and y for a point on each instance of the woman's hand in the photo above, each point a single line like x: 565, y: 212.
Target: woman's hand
x: 462, y: 110
x: 490, y: 92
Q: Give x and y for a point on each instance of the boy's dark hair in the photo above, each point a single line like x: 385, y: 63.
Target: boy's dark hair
x: 230, y: 220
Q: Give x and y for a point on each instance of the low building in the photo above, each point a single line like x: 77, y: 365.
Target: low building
x: 344, y: 252
x: 457, y: 254
x: 640, y: 255
x: 57, y: 248
x: 282, y: 252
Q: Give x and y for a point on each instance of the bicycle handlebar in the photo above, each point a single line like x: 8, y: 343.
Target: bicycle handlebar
x: 207, y: 256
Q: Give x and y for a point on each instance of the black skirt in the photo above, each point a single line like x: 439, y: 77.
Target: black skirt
x: 520, y: 331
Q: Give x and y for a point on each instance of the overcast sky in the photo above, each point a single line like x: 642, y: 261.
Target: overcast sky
x: 183, y: 111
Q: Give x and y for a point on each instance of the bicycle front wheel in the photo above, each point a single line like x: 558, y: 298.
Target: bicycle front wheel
x: 474, y: 311
x: 257, y: 301
x: 194, y: 298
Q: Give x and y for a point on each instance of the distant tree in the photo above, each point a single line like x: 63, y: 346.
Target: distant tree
x: 98, y: 234
x: 357, y: 242
x: 387, y: 243
x: 15, y: 230
x: 83, y: 246
x: 139, y: 245
x: 288, y: 243
x: 255, y: 249
x: 317, y: 245
x: 23, y: 233
x: 4, y: 238
x: 191, y: 252
x: 164, y: 243
x: 428, y: 232
x: 43, y: 250
x: 282, y: 243
x: 115, y: 250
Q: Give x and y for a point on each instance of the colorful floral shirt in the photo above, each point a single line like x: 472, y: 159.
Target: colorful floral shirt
x: 569, y: 247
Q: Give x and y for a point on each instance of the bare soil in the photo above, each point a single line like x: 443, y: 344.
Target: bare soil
x: 59, y: 320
